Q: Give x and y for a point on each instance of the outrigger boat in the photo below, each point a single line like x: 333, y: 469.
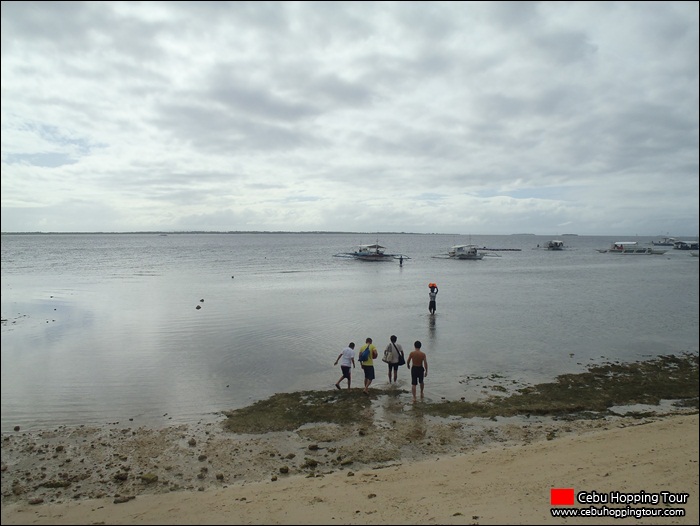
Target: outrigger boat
x: 373, y: 252
x: 554, y: 244
x: 665, y: 242
x: 685, y: 245
x: 629, y: 247
x: 465, y: 252
x: 469, y: 252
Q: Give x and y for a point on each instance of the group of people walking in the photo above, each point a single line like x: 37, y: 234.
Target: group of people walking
x: 417, y: 363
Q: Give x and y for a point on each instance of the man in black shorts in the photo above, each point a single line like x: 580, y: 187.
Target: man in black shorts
x: 418, y: 364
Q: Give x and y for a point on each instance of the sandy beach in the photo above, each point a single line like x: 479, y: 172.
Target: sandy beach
x: 507, y: 480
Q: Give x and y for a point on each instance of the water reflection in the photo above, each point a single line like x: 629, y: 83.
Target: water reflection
x: 105, y: 327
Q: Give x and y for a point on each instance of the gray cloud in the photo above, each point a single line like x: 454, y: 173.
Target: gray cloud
x: 532, y: 116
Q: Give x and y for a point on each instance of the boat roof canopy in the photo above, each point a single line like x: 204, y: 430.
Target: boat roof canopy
x: 371, y: 246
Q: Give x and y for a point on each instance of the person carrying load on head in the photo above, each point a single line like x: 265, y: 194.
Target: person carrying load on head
x: 432, y: 305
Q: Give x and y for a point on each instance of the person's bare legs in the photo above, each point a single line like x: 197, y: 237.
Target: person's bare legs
x: 413, y: 390
x: 389, y: 373
x: 421, y: 390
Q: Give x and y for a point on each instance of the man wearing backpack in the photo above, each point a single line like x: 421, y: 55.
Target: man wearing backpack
x: 367, y: 362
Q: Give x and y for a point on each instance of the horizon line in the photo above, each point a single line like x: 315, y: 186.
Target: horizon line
x: 165, y: 232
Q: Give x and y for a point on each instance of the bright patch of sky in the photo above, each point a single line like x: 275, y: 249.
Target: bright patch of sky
x: 455, y: 117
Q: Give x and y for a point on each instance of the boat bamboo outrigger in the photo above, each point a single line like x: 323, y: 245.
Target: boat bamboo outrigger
x: 630, y: 247
x: 469, y: 252
x: 685, y: 245
x: 373, y: 252
x: 554, y: 244
x: 665, y: 242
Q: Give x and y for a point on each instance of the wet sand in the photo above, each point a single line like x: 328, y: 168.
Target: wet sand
x: 432, y: 471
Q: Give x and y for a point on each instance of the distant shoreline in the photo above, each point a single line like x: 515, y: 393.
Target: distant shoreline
x: 167, y: 232
x: 335, y: 232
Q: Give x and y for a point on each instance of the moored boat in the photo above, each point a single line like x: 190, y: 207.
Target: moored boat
x: 630, y: 247
x: 468, y: 252
x: 465, y: 252
x: 554, y: 244
x: 665, y: 242
x: 373, y: 252
x: 685, y: 245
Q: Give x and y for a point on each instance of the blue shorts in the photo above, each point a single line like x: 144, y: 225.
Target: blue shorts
x: 346, y: 371
x: 369, y: 372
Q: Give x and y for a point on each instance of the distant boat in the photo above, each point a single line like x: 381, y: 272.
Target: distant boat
x: 468, y: 252
x: 685, y: 245
x: 465, y: 252
x: 665, y: 242
x: 373, y: 252
x: 630, y: 247
x: 554, y: 244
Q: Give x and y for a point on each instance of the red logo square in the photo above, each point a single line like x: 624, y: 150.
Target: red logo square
x: 561, y: 496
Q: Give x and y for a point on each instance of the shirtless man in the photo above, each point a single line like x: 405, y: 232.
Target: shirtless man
x: 418, y: 364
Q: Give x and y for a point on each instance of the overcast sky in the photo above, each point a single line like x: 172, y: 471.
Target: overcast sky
x: 465, y: 118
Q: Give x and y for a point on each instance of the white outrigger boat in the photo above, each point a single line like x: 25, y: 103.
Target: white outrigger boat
x: 554, y: 244
x: 373, y: 252
x: 665, y: 242
x: 630, y: 247
x: 468, y: 252
x: 465, y: 252
x: 685, y: 245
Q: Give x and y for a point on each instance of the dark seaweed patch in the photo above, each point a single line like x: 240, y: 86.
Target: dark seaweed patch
x: 584, y: 395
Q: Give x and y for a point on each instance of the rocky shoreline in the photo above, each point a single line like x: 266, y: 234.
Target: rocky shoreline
x: 317, y: 433
x: 90, y: 462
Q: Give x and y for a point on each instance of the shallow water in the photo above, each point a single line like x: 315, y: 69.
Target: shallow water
x: 102, y: 328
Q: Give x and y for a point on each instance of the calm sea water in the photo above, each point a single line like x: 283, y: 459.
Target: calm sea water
x: 104, y: 328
